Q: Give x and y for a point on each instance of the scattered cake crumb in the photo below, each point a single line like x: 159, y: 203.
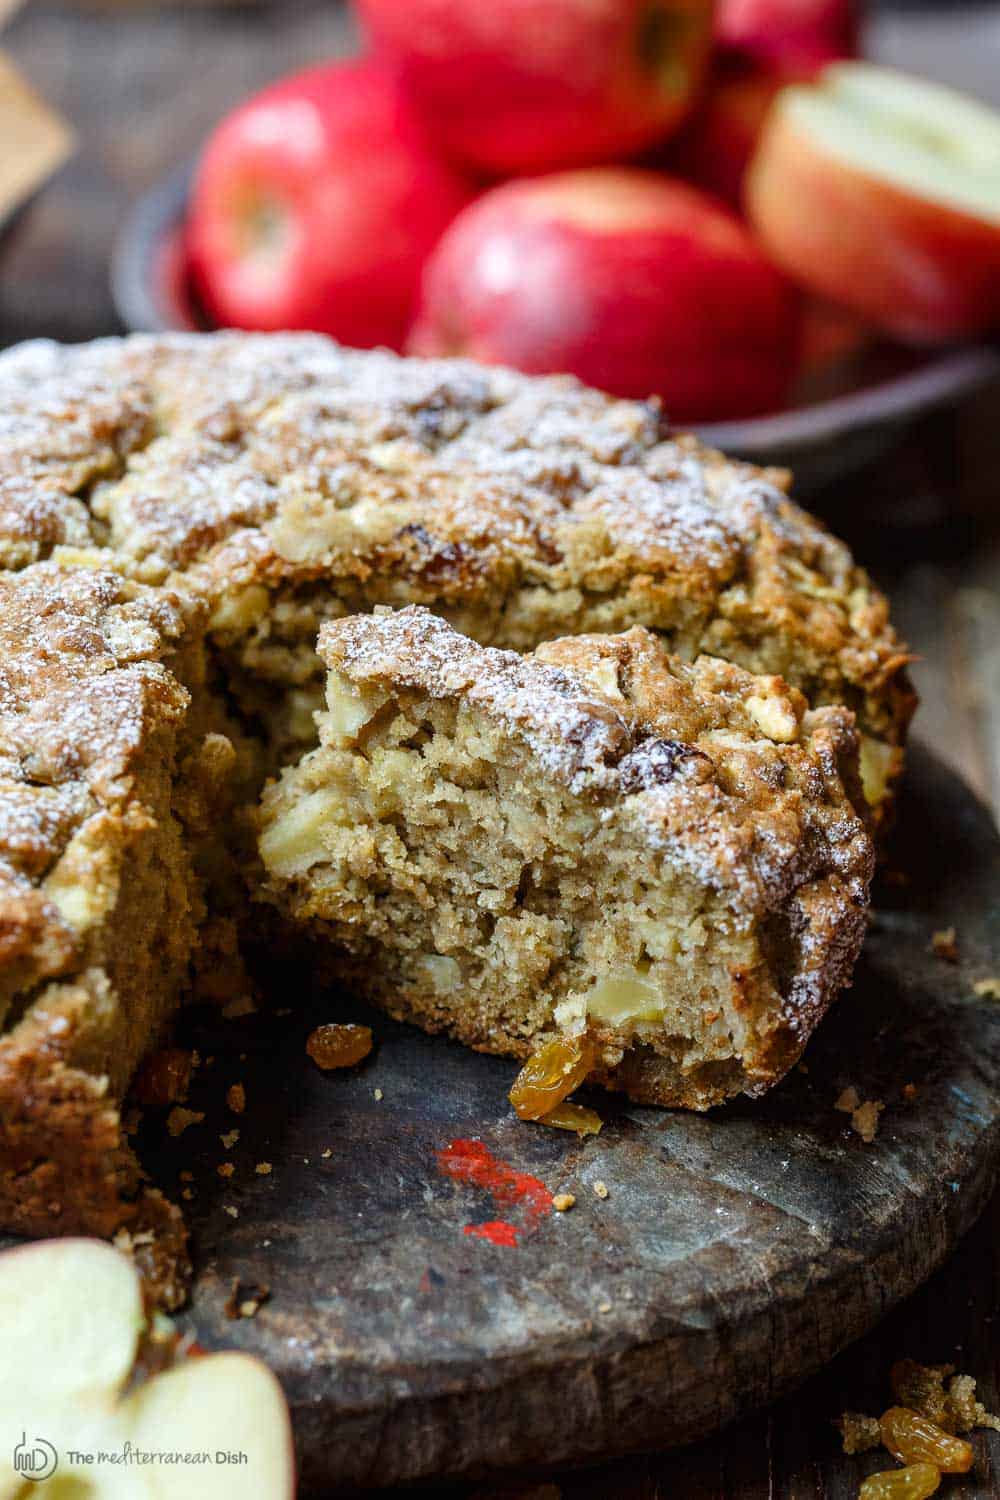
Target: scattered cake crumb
x: 601, y: 1189
x: 225, y: 1169
x: 864, y: 1121
x: 953, y: 1406
x: 604, y: 1307
x: 944, y: 944
x: 860, y: 1433
x: 563, y: 1201
x: 987, y: 989
x: 327, y: 1154
x: 263, y: 1169
x: 864, y: 1114
x: 236, y: 1098
x: 245, y: 1302
x: 180, y: 1118
x: 229, y: 1139
x: 228, y: 1208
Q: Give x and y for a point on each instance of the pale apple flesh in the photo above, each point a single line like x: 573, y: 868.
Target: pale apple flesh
x: 880, y: 192
x: 71, y: 1320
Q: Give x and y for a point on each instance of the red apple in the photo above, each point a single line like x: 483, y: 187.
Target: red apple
x: 528, y: 85
x: 315, y: 206
x: 715, y: 147
x: 629, y: 279
x: 794, y: 36
x: 879, y: 191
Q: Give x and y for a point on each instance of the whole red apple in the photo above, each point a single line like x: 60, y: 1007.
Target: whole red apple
x: 629, y: 279
x: 528, y: 85
x: 316, y: 204
x: 795, y: 36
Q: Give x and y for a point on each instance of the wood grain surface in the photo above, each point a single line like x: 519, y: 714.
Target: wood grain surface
x: 433, y: 1315
x: 141, y: 88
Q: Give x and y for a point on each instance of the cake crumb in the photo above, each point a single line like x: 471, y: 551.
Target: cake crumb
x: 944, y: 945
x: 955, y: 1407
x: 245, y: 1302
x: 379, y: 1096
x: 225, y: 1169
x: 229, y: 1139
x: 326, y: 1154
x: 604, y: 1307
x: 263, y: 1169
x: 179, y: 1119
x: 865, y: 1120
x: 601, y: 1189
x: 563, y: 1201
x: 864, y: 1114
x: 227, y: 1208
x: 987, y: 989
x: 236, y: 1098
x: 859, y: 1433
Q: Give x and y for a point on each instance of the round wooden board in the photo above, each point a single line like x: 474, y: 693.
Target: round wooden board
x: 733, y: 1255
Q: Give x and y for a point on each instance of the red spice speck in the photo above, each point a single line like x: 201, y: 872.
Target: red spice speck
x: 497, y: 1231
x: 473, y: 1163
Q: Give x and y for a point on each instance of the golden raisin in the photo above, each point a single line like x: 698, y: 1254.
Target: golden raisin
x: 914, y: 1439
x: 913, y: 1483
x: 573, y: 1117
x: 164, y: 1078
x: 339, y: 1046
x: 554, y: 1071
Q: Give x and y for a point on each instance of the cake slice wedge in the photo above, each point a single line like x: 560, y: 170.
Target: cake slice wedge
x: 660, y: 862
x: 108, y: 749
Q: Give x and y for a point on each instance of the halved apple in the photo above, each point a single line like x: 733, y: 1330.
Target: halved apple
x: 71, y: 1321
x: 882, y: 192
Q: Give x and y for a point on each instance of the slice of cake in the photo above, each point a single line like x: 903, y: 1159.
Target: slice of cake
x: 108, y: 770
x: 600, y: 842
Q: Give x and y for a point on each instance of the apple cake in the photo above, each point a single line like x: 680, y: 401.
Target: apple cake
x: 595, y: 838
x: 293, y: 481
x: 179, y: 518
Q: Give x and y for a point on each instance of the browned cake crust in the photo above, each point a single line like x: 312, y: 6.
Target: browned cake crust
x: 99, y: 901
x: 254, y: 487
x: 297, y: 481
x: 615, y: 821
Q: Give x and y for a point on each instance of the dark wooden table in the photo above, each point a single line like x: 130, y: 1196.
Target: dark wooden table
x: 141, y: 86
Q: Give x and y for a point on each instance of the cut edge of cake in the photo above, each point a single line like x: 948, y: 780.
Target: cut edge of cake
x: 598, y: 839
